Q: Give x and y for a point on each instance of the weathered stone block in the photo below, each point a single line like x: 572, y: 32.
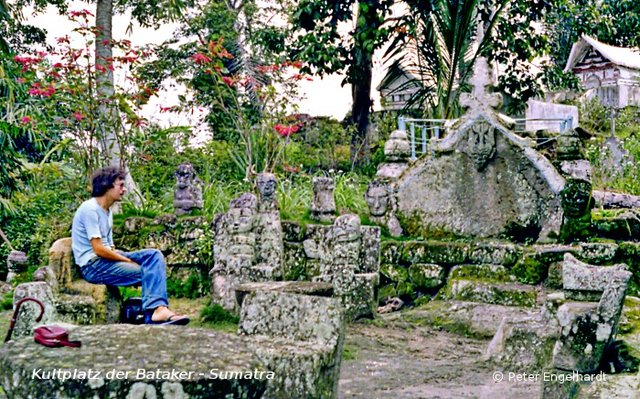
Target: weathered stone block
x: 442, y: 253
x: 425, y: 275
x: 76, y: 309
x: 311, y: 327
x: 61, y: 261
x: 493, y: 273
x: 144, y: 373
x: 292, y: 231
x: 295, y: 261
x: 522, y: 343
x: 509, y: 294
x: 391, y: 252
x: 25, y: 322
x: 597, y: 253
x: 505, y: 254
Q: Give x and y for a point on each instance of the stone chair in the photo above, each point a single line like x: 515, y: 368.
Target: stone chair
x: 79, y: 301
x: 588, y: 325
x: 574, y: 327
x: 299, y: 338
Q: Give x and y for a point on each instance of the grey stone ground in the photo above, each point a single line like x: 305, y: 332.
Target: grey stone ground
x: 414, y: 362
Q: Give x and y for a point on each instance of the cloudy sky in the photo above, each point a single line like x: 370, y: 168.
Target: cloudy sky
x: 320, y: 96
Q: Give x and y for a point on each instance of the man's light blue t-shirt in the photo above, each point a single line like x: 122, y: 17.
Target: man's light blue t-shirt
x: 90, y: 221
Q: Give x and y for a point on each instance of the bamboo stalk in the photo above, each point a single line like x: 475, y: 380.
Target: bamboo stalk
x: 6, y: 240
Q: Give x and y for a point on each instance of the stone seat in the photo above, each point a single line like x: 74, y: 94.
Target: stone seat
x: 587, y: 328
x: 72, y: 289
x: 134, y: 362
x: 300, y: 338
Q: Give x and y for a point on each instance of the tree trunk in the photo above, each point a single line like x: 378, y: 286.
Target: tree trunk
x: 360, y: 73
x: 108, y: 114
x: 360, y: 110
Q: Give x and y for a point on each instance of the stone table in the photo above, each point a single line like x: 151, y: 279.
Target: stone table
x: 127, y: 361
x: 295, y: 287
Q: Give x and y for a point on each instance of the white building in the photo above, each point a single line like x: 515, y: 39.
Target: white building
x: 394, y: 95
x: 609, y: 73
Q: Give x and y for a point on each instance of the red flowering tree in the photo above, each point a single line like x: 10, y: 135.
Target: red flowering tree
x: 63, y: 97
x: 252, y: 102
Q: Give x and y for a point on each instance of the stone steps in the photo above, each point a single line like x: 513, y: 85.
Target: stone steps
x: 491, y: 284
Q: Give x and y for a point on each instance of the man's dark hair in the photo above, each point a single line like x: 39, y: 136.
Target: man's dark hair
x: 104, y: 178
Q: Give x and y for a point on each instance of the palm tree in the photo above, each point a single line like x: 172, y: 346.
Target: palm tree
x: 438, y: 42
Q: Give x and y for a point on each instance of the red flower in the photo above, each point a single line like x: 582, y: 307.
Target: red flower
x: 81, y: 13
x: 78, y: 116
x: 25, y: 119
x: 20, y: 80
x: 286, y: 130
x: 63, y: 39
x: 200, y: 58
x: 228, y: 81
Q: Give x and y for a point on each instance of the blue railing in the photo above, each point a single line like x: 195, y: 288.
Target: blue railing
x: 420, y: 131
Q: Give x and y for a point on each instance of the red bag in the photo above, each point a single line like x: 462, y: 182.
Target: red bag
x: 54, y: 337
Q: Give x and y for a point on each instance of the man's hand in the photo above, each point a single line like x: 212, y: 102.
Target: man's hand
x: 108, y: 253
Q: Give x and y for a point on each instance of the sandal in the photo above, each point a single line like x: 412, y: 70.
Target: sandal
x: 174, y: 319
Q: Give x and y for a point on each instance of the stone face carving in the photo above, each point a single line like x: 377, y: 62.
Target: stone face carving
x: 269, y: 235
x: 379, y: 199
x: 188, y: 192
x: 323, y: 205
x: 481, y: 144
x: 481, y: 180
x: 234, y: 249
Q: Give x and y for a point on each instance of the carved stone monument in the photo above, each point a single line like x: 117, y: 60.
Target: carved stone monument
x: 379, y: 199
x: 234, y: 250
x: 340, y: 252
x: 188, y: 192
x: 269, y: 236
x: 481, y: 180
x: 397, y: 151
x: 323, y: 205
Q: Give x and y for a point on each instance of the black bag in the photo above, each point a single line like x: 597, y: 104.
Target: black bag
x: 132, y: 312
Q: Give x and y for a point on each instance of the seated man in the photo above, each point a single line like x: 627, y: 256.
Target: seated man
x: 100, y: 263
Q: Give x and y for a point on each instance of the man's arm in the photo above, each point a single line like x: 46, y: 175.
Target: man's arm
x: 107, y: 253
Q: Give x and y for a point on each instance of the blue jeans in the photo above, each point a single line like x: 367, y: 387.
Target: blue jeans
x: 149, y: 271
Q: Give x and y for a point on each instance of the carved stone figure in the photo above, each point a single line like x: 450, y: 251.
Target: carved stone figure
x: 234, y: 250
x: 267, y: 186
x: 323, y: 205
x: 268, y: 229
x: 379, y: 199
x: 481, y: 144
x: 188, y: 192
x: 397, y: 151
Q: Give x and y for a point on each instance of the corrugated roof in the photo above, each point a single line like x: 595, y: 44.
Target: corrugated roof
x: 628, y: 57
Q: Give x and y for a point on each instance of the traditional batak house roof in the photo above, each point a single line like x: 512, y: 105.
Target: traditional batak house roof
x: 609, y: 73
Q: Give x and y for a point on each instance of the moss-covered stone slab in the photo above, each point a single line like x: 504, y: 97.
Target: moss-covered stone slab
x: 497, y: 253
x: 438, y: 252
x: 426, y: 275
x: 597, y: 253
x: 465, y: 318
x: 486, y: 272
x: 311, y: 327
x: 126, y: 361
x: 508, y: 294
